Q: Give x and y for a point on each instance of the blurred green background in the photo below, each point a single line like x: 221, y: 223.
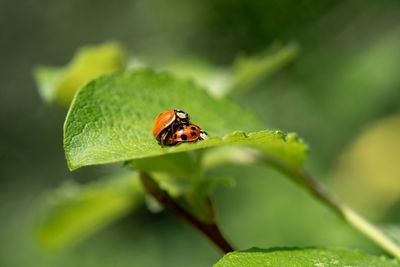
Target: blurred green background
x: 341, y: 94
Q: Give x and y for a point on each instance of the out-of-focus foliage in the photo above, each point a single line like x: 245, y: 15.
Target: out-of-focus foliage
x: 329, y: 93
x: 244, y: 74
x: 256, y: 257
x: 371, y: 164
x: 75, y: 211
x: 249, y: 71
x: 393, y: 230
x: 60, y: 84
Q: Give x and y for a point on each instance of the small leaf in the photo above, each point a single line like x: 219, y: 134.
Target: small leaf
x: 73, y: 212
x: 47, y: 78
x: 319, y: 257
x: 198, y: 196
x: 60, y: 84
x: 112, y: 117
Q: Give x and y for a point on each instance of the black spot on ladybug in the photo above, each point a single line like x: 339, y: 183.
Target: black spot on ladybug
x: 184, y: 137
x: 192, y: 133
x: 193, y: 128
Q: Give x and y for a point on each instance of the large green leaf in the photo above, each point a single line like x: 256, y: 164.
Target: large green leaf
x: 111, y: 120
x: 320, y: 257
x: 74, y: 211
x: 60, y: 84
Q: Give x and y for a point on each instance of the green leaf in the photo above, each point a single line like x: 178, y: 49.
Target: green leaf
x: 244, y: 73
x: 47, y: 79
x: 60, y: 84
x: 215, y: 79
x: 111, y: 118
x: 248, y: 71
x: 198, y: 196
x: 73, y: 212
x: 320, y: 257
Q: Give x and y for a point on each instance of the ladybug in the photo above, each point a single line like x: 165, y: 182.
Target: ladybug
x: 166, y: 121
x: 185, y: 133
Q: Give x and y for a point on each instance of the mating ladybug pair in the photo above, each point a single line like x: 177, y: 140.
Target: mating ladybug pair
x: 172, y: 127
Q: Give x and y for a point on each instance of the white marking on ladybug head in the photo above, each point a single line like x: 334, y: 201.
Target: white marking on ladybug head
x: 203, y: 135
x: 182, y: 115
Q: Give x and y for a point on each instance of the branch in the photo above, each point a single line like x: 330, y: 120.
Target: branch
x: 210, y: 230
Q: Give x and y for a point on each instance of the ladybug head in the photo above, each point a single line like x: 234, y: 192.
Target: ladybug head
x: 182, y: 115
x: 203, y: 135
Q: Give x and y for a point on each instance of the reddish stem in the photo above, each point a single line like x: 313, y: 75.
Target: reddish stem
x: 211, y: 230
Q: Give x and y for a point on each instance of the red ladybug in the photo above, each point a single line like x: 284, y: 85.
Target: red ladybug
x: 166, y: 121
x: 185, y: 133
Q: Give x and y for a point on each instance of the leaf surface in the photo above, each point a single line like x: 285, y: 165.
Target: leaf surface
x: 112, y: 117
x: 319, y: 257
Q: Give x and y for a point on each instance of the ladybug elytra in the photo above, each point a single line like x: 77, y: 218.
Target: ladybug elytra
x: 185, y: 133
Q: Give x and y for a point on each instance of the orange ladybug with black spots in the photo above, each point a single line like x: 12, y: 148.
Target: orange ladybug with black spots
x: 185, y: 133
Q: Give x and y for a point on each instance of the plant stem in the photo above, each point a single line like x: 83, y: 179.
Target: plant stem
x: 211, y: 230
x: 361, y: 224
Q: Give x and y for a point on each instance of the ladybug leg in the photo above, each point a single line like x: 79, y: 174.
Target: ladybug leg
x: 163, y: 136
x: 177, y: 143
x: 172, y: 127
